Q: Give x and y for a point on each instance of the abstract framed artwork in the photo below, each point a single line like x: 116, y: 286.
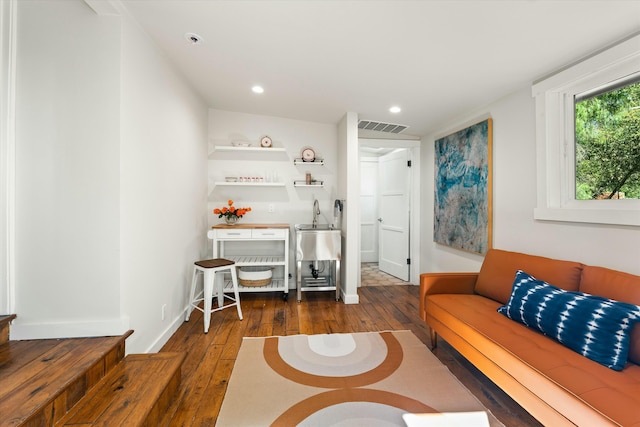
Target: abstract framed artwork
x: 463, y: 189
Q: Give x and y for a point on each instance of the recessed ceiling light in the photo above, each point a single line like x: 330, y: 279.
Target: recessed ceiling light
x: 193, y: 38
x: 395, y: 109
x: 257, y: 89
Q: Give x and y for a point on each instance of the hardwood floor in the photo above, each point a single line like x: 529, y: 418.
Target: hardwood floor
x: 210, y: 358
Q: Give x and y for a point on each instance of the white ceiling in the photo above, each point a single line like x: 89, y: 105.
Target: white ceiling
x: 318, y: 60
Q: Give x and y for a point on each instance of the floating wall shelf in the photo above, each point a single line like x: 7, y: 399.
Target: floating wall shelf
x: 304, y: 184
x: 302, y: 162
x: 261, y: 149
x: 251, y: 184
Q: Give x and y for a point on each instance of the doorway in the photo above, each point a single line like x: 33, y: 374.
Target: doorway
x: 371, y: 275
x: 394, y: 209
x: 388, y: 168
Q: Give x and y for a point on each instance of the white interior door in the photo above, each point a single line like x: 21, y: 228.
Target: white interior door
x: 369, y: 210
x: 394, y: 189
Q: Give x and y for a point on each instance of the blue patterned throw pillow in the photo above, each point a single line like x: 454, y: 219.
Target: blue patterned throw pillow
x: 596, y: 327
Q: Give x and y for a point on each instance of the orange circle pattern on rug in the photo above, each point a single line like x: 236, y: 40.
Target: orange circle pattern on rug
x: 302, y: 410
x: 383, y: 370
x: 333, y: 355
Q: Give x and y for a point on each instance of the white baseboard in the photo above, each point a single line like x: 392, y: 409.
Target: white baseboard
x: 350, y: 298
x: 35, y: 331
x: 164, y: 337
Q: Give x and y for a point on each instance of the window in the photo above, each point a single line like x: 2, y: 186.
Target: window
x: 581, y: 178
x: 607, y: 141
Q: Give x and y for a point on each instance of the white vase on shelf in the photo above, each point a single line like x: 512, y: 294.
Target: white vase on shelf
x: 231, y: 220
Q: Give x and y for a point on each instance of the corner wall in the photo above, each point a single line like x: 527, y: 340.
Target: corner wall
x: 514, y: 195
x: 111, y: 178
x: 67, y: 171
x: 163, y: 190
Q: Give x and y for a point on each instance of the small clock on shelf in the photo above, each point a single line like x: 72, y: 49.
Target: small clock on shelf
x: 308, y: 154
x: 266, y: 142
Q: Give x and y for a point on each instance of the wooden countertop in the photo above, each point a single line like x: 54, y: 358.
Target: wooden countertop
x: 249, y: 225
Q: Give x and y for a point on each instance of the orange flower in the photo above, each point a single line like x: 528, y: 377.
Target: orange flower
x: 231, y: 211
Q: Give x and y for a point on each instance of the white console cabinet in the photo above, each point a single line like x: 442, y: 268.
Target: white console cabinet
x: 223, y: 234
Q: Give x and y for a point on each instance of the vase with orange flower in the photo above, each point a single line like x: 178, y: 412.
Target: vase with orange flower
x: 230, y: 213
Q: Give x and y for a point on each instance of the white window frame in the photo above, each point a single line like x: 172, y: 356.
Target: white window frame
x: 555, y: 141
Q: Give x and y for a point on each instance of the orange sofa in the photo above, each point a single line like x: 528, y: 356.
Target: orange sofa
x: 556, y: 385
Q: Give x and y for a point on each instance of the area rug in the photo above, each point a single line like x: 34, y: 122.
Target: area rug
x: 362, y: 379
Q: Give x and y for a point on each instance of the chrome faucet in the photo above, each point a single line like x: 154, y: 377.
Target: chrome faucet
x: 316, y: 213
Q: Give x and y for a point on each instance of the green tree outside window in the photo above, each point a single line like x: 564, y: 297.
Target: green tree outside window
x: 607, y: 136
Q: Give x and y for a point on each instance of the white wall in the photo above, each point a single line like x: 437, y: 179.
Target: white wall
x: 291, y: 204
x: 514, y: 194
x: 67, y: 171
x: 111, y: 168
x: 8, y: 20
x: 349, y: 167
x: 163, y: 190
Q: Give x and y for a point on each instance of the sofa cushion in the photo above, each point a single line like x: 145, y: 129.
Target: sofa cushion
x: 618, y: 286
x: 594, y: 326
x: 574, y: 385
x: 499, y: 268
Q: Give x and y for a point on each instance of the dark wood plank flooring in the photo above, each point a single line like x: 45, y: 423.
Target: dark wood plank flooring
x: 210, y: 357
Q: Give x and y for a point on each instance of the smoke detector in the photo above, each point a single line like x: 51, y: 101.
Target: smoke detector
x: 193, y: 38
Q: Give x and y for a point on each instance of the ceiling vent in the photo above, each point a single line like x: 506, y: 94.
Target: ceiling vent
x: 381, y: 126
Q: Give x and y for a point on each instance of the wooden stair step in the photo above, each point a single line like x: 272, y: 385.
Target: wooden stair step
x: 136, y: 393
x: 42, y: 379
x: 5, y: 322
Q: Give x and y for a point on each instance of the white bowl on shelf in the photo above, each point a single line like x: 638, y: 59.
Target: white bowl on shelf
x: 241, y: 144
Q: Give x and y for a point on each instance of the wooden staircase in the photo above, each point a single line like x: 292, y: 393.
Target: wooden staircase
x: 83, y: 381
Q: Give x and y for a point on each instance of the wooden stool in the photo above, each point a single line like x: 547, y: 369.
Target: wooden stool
x: 209, y: 268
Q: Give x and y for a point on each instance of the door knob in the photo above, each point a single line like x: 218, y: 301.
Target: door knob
x: 379, y: 219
